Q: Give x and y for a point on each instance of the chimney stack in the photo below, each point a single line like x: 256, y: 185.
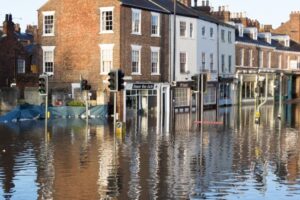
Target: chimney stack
x: 8, y: 25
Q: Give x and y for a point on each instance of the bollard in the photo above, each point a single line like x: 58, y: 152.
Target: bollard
x: 120, y: 129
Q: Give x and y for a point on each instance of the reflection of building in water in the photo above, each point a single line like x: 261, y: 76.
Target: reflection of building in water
x: 108, y: 162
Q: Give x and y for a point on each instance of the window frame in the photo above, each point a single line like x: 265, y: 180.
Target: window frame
x: 191, y: 30
x: 106, y: 47
x: 45, y: 14
x: 229, y: 37
x: 155, y: 50
x: 211, y: 32
x: 229, y: 63
x: 102, y: 10
x: 203, y: 61
x: 23, y: 65
x: 185, y: 63
x: 48, y: 49
x: 203, y: 31
x: 223, y: 63
x: 211, y: 56
x: 154, y: 14
x: 137, y: 48
x: 139, y: 14
x: 223, y: 35
x: 181, y: 23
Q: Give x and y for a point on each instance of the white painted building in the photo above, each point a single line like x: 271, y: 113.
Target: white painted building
x: 226, y: 52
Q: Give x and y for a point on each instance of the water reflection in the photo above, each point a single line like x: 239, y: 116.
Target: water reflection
x: 77, y: 159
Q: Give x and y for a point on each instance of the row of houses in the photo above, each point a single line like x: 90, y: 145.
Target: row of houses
x: 160, y: 46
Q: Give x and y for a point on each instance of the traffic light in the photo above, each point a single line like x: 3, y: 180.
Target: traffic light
x: 43, y: 81
x: 194, y: 85
x: 113, y: 80
x: 83, y: 84
x: 120, y: 80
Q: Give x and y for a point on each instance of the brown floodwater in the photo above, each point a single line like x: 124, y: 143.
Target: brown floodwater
x: 73, y: 159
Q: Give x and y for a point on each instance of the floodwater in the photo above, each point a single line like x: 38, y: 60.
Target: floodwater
x: 74, y: 159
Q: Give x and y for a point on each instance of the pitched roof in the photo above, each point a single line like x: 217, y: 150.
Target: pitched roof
x: 144, y: 4
x: 247, y: 39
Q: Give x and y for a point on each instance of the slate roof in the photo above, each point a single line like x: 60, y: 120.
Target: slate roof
x: 144, y: 4
x: 247, y: 39
x: 24, y: 36
x: 294, y: 46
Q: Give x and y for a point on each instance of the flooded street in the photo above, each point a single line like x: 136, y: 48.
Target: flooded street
x: 76, y: 160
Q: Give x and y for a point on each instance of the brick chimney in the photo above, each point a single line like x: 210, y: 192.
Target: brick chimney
x: 187, y: 3
x: 8, y: 25
x: 204, y: 7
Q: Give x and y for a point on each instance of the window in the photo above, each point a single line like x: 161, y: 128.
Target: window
x: 136, y: 21
x: 280, y: 61
x: 223, y: 35
x: 242, y: 51
x: 183, y: 62
x: 181, y: 97
x: 106, y: 25
x: 203, y: 61
x: 48, y: 22
x: 155, y: 60
x: 211, y: 62
x: 211, y: 32
x: 229, y: 37
x: 182, y: 29
x: 261, y: 59
x: 154, y: 24
x: 250, y: 58
x: 203, y: 30
x: 269, y: 59
x: 191, y: 30
x: 48, y: 59
x: 288, y: 62
x: 136, y: 59
x: 223, y: 63
x: 298, y: 66
x: 21, y: 66
x: 229, y: 63
x: 106, y: 59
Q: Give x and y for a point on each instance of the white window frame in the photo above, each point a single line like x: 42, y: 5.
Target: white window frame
x: 288, y: 62
x: 102, y: 28
x: 280, y: 61
x: 185, y: 31
x: 48, y: 49
x: 203, y: 59
x: 298, y: 66
x: 250, y: 57
x: 21, y: 65
x: 155, y: 50
x: 230, y: 63
x: 106, y: 47
x: 211, y: 32
x: 136, y: 48
x: 223, y: 35
x: 185, y: 64
x: 242, y: 61
x: 223, y: 63
x: 154, y: 14
x: 229, y: 37
x: 203, y: 31
x: 211, y: 62
x: 269, y: 59
x: 139, y: 13
x: 261, y: 59
x: 191, y: 30
x: 45, y: 14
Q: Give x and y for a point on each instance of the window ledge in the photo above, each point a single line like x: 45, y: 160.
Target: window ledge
x: 136, y: 74
x: 48, y: 35
x: 158, y: 36
x: 155, y: 74
x: 106, y: 32
x: 133, y: 33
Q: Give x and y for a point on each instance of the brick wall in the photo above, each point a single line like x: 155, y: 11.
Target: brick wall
x: 291, y: 27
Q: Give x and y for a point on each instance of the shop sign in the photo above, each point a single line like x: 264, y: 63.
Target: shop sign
x: 143, y: 86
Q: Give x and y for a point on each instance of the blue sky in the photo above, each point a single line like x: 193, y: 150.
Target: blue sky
x: 266, y: 11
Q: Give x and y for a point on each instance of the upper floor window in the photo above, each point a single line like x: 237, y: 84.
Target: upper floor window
x: 155, y: 24
x: 183, y: 65
x: 106, y: 58
x: 48, y: 23
x: 250, y: 58
x: 279, y: 61
x: 106, y: 25
x: 203, y: 60
x: 136, y: 21
x: 298, y: 66
x: 211, y: 61
x: 223, y: 35
x: 269, y: 59
x: 211, y: 32
x: 229, y: 63
x: 288, y: 62
x: 203, y: 30
x: 21, y: 66
x: 191, y: 30
x: 155, y: 60
x: 223, y: 63
x: 136, y: 59
x: 182, y: 29
x: 48, y: 59
x: 229, y: 37
x: 242, y: 57
x: 261, y: 59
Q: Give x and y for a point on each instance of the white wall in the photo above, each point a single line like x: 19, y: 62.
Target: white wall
x: 227, y: 48
x: 184, y: 44
x: 207, y: 44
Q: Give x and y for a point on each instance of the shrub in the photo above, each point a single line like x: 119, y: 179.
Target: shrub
x: 75, y: 103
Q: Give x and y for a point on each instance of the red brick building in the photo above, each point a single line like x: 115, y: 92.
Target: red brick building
x: 291, y: 27
x: 16, y: 56
x: 90, y: 38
